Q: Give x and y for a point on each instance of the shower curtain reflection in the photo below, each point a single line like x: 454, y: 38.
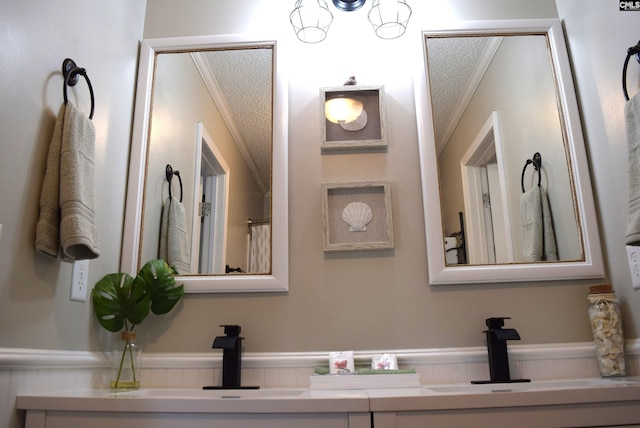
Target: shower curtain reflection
x: 259, y: 249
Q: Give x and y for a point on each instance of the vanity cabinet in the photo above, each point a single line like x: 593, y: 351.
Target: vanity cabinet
x: 195, y: 409
x: 597, y: 407
x: 56, y: 419
x: 552, y: 416
x: 589, y: 403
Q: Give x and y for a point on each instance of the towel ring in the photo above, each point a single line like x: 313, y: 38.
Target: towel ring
x: 169, y: 173
x: 70, y: 72
x: 537, y: 164
x: 632, y: 50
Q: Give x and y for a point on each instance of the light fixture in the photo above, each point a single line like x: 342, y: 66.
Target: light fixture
x: 348, y: 5
x: 342, y: 110
x: 311, y: 18
x: 389, y: 18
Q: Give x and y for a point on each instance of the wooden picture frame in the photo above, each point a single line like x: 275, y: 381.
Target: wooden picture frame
x: 373, y: 135
x: 357, y: 216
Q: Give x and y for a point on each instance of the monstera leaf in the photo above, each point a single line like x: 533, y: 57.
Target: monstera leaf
x: 157, y: 278
x: 122, y: 301
x: 117, y: 297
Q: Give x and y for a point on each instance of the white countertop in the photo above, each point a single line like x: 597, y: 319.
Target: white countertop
x: 426, y: 397
x: 457, y: 397
x: 199, y: 401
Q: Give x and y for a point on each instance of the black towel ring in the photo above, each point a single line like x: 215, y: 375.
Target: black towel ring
x: 537, y: 164
x: 631, y: 51
x: 169, y: 173
x: 70, y: 72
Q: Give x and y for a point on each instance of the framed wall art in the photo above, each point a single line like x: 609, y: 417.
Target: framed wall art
x: 357, y: 216
x: 353, y: 117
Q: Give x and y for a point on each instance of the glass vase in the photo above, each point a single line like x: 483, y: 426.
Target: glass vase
x: 608, y: 337
x: 125, y: 359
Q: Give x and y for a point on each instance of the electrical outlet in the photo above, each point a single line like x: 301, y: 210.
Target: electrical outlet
x: 633, y: 256
x: 79, y: 278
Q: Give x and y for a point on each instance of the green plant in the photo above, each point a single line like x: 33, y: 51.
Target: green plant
x: 121, y: 302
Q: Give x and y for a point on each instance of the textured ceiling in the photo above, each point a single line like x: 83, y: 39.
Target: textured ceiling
x: 453, y: 64
x: 244, y: 80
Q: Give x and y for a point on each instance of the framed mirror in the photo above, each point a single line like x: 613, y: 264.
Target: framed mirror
x: 492, y: 97
x: 207, y: 186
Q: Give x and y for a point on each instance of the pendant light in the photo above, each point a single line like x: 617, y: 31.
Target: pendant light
x: 311, y: 20
x: 389, y: 18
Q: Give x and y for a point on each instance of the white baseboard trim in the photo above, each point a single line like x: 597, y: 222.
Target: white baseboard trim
x: 19, y: 358
x: 22, y: 358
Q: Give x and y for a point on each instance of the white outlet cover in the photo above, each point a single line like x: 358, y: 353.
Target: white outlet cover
x: 79, y: 280
x: 633, y: 257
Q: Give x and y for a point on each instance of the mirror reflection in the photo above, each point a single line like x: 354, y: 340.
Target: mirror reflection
x: 211, y: 122
x: 495, y: 105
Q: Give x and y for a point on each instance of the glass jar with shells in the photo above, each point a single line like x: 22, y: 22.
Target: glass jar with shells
x: 606, y: 324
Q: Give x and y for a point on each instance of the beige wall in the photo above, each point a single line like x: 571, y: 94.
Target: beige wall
x: 359, y: 300
x: 598, y: 36
x: 35, y: 310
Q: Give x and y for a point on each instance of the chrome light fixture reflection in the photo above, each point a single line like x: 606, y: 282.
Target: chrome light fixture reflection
x: 389, y: 18
x: 311, y: 20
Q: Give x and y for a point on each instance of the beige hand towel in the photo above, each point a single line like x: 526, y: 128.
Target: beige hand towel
x: 78, y: 231
x: 174, y: 245
x: 632, y: 118
x: 66, y: 227
x: 48, y: 226
x: 538, y: 236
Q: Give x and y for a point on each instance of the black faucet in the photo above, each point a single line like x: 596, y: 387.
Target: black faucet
x: 231, y: 345
x: 497, y: 347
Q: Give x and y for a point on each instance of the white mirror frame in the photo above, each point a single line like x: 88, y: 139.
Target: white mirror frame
x: 278, y: 279
x: 439, y: 272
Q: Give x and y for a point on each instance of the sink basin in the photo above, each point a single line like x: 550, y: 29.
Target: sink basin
x: 211, y: 393
x: 530, y: 386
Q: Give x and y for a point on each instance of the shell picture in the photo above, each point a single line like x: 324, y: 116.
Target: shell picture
x: 357, y: 215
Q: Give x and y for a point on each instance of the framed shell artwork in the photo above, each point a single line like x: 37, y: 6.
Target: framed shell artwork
x: 357, y: 216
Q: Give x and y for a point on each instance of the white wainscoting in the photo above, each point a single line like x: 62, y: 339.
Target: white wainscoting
x: 38, y: 371
x: 436, y: 366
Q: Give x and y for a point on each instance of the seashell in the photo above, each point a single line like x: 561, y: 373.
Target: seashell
x: 607, y: 363
x: 357, y: 215
x: 357, y: 124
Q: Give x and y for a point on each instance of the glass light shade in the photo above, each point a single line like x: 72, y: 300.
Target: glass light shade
x: 389, y: 18
x: 311, y: 20
x: 342, y: 110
